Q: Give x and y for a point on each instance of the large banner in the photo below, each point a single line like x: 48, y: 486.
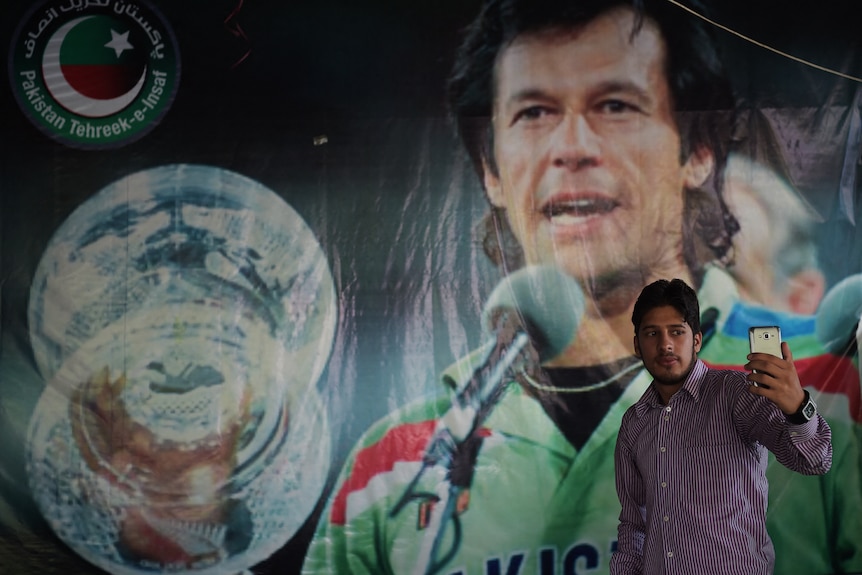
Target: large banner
x: 347, y: 287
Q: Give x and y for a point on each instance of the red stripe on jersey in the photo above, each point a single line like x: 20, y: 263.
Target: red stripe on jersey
x: 828, y: 374
x: 406, y: 442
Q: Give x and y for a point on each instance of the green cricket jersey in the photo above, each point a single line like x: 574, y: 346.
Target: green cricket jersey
x: 536, y: 505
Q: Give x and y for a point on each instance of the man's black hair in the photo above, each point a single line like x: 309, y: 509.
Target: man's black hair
x: 674, y: 293
x: 703, y: 101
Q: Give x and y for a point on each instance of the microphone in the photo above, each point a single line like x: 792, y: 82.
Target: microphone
x: 838, y: 315
x: 532, y: 315
x: 549, y: 303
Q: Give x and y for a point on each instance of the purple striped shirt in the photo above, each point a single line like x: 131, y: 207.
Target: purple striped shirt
x: 691, y: 476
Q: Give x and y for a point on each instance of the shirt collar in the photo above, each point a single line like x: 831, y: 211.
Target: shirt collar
x: 651, y: 398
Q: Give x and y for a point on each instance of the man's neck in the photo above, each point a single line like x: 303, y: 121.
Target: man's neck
x: 665, y: 392
x: 598, y: 341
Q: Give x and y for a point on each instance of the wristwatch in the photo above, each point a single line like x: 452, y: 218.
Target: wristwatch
x: 804, y: 413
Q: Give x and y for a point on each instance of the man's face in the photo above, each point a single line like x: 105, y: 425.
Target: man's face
x: 666, y: 345
x: 754, y: 244
x: 587, y: 150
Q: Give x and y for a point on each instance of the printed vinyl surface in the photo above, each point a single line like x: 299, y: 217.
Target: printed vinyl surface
x: 252, y: 253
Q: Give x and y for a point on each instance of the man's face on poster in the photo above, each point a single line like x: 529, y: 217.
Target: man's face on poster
x: 587, y: 149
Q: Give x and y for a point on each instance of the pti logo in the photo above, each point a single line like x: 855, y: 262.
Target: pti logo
x: 94, y: 74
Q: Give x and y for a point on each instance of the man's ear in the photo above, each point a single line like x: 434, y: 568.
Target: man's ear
x: 637, y: 347
x: 698, y: 167
x: 698, y: 340
x: 492, y: 185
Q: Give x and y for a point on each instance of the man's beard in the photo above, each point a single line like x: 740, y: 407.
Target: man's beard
x: 676, y: 380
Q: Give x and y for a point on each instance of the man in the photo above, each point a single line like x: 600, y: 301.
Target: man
x: 691, y: 453
x: 775, y: 252
x: 578, y: 121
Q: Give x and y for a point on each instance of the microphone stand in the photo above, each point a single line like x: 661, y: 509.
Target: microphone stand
x: 853, y: 348
x: 455, y: 445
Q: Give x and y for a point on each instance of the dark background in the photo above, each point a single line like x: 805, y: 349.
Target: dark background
x: 256, y: 91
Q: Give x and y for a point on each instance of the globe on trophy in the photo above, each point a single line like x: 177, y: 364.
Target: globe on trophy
x: 181, y: 319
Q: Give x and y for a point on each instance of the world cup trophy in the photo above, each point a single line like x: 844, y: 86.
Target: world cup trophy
x: 181, y: 319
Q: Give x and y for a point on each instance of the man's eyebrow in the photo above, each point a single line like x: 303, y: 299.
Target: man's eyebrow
x: 608, y: 87
x: 528, y: 94
x: 656, y: 326
x: 624, y: 87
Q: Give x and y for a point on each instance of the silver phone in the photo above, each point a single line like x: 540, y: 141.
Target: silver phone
x: 765, y: 339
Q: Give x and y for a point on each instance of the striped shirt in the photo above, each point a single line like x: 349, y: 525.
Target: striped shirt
x: 691, y: 479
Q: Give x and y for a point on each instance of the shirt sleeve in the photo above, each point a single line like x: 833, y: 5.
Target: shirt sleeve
x: 628, y: 557
x: 342, y: 548
x: 805, y: 448
x: 829, y: 540
x: 846, y: 490
x: 356, y: 534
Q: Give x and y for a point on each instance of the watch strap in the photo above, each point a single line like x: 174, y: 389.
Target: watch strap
x: 804, y: 413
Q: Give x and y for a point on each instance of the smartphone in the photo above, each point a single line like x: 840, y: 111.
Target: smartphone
x: 765, y: 339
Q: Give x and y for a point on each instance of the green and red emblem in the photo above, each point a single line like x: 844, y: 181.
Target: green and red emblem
x: 94, y: 74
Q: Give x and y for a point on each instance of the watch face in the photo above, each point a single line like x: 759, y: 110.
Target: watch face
x: 809, y: 410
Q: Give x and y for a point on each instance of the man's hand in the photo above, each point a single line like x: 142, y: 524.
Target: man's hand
x: 775, y: 378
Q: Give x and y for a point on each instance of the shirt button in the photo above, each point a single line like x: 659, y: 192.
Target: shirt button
x: 667, y: 408
x: 666, y: 418
x: 664, y: 484
x: 670, y: 553
x: 663, y: 449
x: 666, y: 518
